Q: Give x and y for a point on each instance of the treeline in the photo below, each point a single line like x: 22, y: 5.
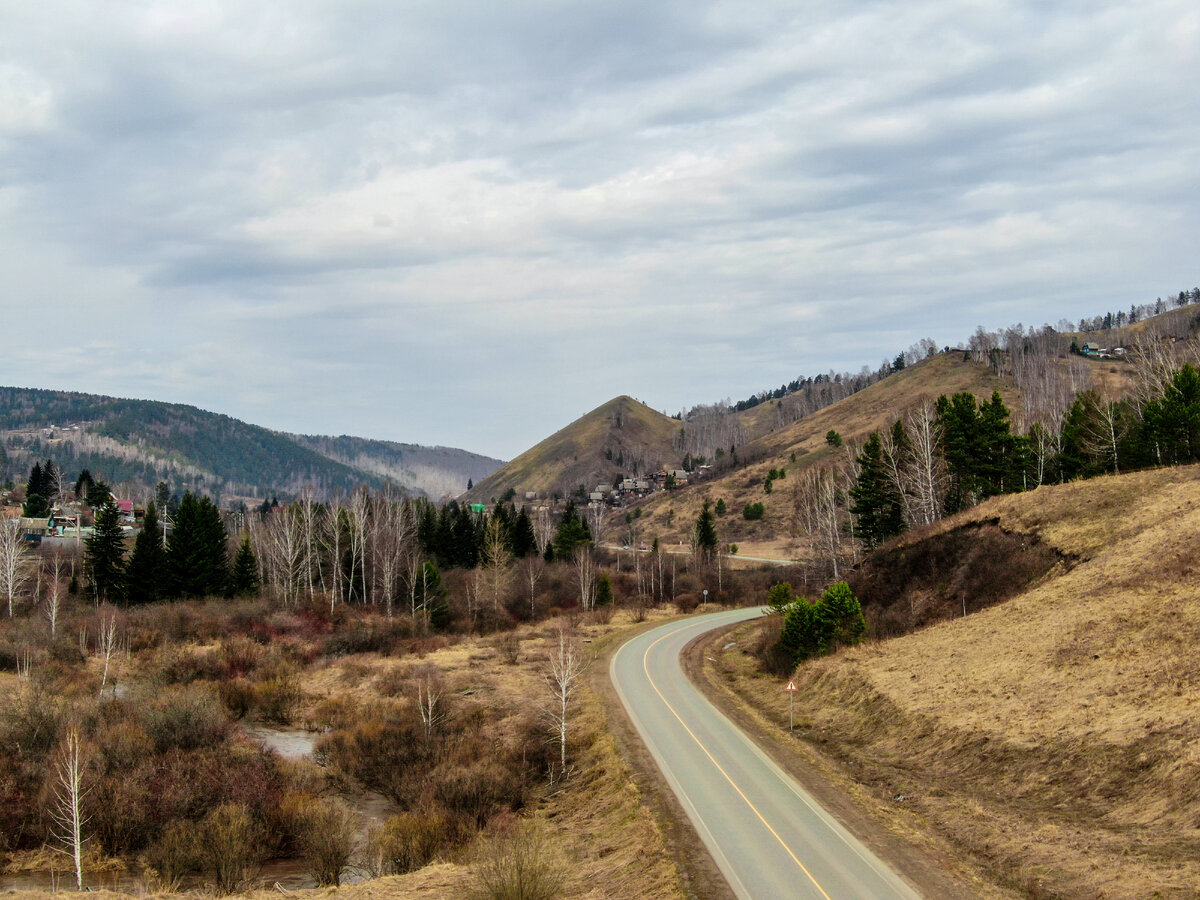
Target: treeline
x: 943, y: 457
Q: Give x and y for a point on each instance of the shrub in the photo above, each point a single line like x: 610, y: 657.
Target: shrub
x: 176, y: 853
x: 779, y: 597
x: 185, y: 719
x: 753, y: 511
x: 476, y: 790
x: 516, y: 866
x: 408, y: 841
x: 277, y: 693
x: 238, y: 695
x: 327, y: 831
x: 230, y: 838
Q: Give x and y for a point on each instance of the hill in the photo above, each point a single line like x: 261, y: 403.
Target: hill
x: 1048, y: 738
x: 802, y: 444
x: 623, y: 436
x: 144, y: 442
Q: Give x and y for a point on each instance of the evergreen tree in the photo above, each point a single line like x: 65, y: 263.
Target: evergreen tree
x: 572, y: 532
x: 83, y: 484
x: 604, y: 591
x: 244, y: 582
x: 524, y: 541
x: 104, y: 558
x: 877, y: 503
x: 705, y: 533
x: 721, y: 507
x: 1172, y: 423
x: 197, y: 557
x: 146, y: 574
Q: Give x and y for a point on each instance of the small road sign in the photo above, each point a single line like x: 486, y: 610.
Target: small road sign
x: 791, y: 686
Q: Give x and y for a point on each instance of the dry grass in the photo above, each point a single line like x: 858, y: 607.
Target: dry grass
x: 575, y: 454
x: 1051, y: 738
x: 854, y: 418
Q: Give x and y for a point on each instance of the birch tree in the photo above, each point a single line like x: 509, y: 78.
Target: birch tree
x: 497, y: 562
x: 585, y: 576
x: 69, y: 794
x: 14, y: 561
x: 566, y: 666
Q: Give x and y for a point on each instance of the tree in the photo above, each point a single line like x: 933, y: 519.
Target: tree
x: 104, y: 557
x: 198, y: 560
x: 721, y: 508
x: 244, y: 581
x: 146, y: 573
x: 780, y: 597
x: 566, y: 665
x: 68, y: 795
x: 572, y: 533
x: 604, y: 591
x: 833, y: 439
x: 704, y: 534
x: 877, y: 502
x: 814, y: 629
x: 14, y: 561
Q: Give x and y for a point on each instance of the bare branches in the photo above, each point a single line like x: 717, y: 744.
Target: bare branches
x: 14, y: 562
x: 566, y: 666
x: 67, y: 812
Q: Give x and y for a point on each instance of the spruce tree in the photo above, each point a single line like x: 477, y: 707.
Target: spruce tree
x: 524, y: 541
x: 197, y: 557
x: 245, y: 570
x: 104, y: 558
x: 705, y: 534
x: 572, y: 532
x: 877, y: 504
x: 146, y: 574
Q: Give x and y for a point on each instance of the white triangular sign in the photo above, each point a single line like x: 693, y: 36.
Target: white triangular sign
x: 791, y: 686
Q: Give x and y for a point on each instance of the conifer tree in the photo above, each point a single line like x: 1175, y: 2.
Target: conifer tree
x: 572, y: 533
x: 196, y: 550
x: 245, y: 570
x: 877, y: 504
x: 523, y: 540
x: 104, y: 558
x: 146, y: 574
x: 705, y: 533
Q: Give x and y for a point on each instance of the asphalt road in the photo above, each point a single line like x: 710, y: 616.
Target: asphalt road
x: 767, y: 835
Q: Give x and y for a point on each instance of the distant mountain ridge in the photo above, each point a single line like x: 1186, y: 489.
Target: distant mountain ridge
x: 147, y: 441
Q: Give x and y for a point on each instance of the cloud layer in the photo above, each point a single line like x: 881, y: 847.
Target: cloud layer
x: 467, y: 223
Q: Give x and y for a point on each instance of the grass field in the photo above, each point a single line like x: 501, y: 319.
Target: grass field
x: 1051, y: 739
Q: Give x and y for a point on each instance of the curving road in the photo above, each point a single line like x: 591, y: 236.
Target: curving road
x: 767, y: 835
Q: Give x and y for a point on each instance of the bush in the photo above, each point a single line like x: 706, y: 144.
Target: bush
x: 406, y: 842
x: 238, y: 695
x: 230, y: 838
x: 753, y: 511
x: 327, y: 831
x: 516, y: 866
x: 277, y: 693
x: 475, y: 791
x: 176, y: 853
x: 812, y: 629
x: 184, y: 719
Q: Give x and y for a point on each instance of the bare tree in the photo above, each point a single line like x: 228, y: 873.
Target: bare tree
x: 68, y: 795
x: 533, y: 567
x: 358, y: 512
x: 497, y: 564
x: 429, y: 703
x: 391, y: 534
x: 566, y: 666
x: 925, y: 464
x: 543, y: 528
x: 106, y: 644
x: 54, y: 600
x: 585, y: 576
x: 598, y: 515
x: 14, y: 561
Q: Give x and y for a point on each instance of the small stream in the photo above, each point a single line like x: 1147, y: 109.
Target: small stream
x: 287, y: 873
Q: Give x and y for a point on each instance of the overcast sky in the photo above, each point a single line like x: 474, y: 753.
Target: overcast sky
x: 468, y: 223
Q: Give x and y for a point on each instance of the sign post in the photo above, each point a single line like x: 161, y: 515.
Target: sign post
x: 791, y: 692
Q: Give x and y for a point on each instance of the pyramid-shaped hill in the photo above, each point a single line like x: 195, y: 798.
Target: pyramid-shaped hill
x: 621, y: 437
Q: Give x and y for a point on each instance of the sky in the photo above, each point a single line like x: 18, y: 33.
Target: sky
x: 468, y: 223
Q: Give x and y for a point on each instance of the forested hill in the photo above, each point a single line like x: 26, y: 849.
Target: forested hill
x: 144, y: 442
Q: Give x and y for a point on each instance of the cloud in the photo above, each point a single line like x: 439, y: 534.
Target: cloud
x: 466, y: 223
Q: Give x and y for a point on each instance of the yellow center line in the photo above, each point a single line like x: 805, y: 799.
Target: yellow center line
x: 712, y: 759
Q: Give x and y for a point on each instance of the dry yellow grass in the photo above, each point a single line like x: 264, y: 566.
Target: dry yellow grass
x: 671, y: 516
x: 1052, y: 738
x: 597, y: 825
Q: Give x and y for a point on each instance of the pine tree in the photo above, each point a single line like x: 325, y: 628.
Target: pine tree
x: 196, y: 550
x: 572, y: 532
x: 877, y: 503
x: 146, y: 574
x: 245, y: 570
x: 524, y: 541
x: 705, y: 533
x: 104, y: 558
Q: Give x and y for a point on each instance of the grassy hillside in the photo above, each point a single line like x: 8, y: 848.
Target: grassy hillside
x: 669, y: 516
x: 621, y: 437
x: 1049, y: 737
x: 145, y: 442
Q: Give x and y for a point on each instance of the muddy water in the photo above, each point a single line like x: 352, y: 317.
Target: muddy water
x: 287, y: 873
